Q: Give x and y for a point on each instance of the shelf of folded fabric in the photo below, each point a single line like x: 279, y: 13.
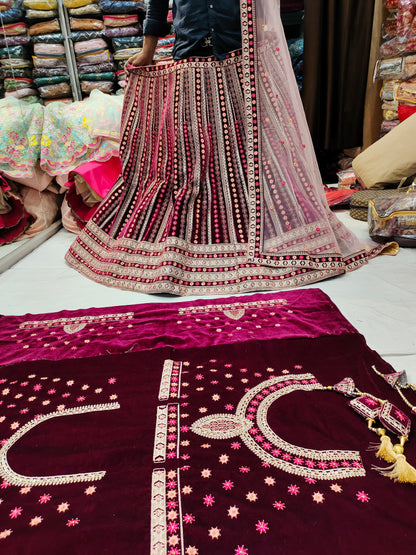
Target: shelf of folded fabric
x: 396, y: 66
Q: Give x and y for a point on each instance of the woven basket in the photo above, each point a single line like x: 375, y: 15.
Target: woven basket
x: 359, y: 200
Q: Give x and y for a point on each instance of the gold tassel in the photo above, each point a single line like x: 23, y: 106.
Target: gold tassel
x: 385, y: 450
x: 400, y: 471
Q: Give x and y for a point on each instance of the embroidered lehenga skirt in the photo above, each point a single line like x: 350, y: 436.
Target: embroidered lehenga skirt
x: 220, y: 190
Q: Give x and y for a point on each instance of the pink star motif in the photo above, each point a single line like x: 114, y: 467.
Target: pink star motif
x: 363, y: 497
x: 184, y: 428
x: 172, y: 515
x: 14, y: 425
x: 173, y: 551
x: 251, y: 496
x: 51, y: 391
x: 191, y: 550
x: 209, y: 500
x: 62, y: 507
x: 72, y: 522
x: 214, y: 533
x: 336, y: 487
x: 262, y: 527
x: 241, y: 550
x: 186, y: 490
x: 233, y: 512
x: 35, y: 521
x: 44, y: 498
x: 112, y: 380
x: 244, y: 469
x: 276, y: 452
x: 270, y: 481
x: 287, y: 457
x: 279, y: 505
x: 229, y: 407
x: 318, y: 497
x: 298, y: 460
x: 311, y: 464
x: 400, y: 415
x: 173, y: 540
x: 323, y: 464
x: 80, y: 398
x: 310, y: 480
x: 24, y: 490
x: 90, y: 490
x: 235, y: 445
x: 199, y: 377
x: 17, y: 511
x: 224, y: 459
x: 293, y: 490
x: 171, y: 504
x: 172, y: 527
x: 206, y: 473
x: 37, y: 387
x: 228, y: 484
x: 4, y: 485
x: 188, y: 518
x: 5, y: 534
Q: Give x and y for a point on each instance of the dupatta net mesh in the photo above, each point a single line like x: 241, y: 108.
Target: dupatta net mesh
x: 220, y: 190
x: 294, y: 216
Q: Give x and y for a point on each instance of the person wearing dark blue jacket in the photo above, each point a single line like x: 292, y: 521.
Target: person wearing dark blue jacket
x: 202, y: 28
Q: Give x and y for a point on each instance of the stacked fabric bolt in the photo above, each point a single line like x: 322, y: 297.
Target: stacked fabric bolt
x: 15, y: 60
x: 94, y: 61
x: 50, y: 71
x: 397, y: 63
x: 123, y: 20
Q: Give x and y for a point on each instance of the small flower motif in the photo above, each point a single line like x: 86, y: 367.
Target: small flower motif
x: 5, y: 534
x: 80, y: 399
x: 262, y: 527
x: 235, y: 445
x: 229, y: 407
x: 318, y: 497
x: 72, y: 522
x: 244, y: 469
x: 62, y: 507
x: 203, y: 409
x: 90, y: 490
x: 37, y: 387
x: 310, y: 480
x: 293, y: 490
x: 112, y: 380
x: 214, y: 533
x: 251, y: 496
x: 44, y: 498
x: 279, y: 505
x: 35, y: 521
x: 215, y: 397
x: 209, y: 500
x: 191, y: 550
x: 51, y: 391
x: 14, y: 425
x: 24, y: 490
x: 173, y: 527
x: 188, y: 518
x: 186, y: 490
x: 233, y: 512
x: 270, y: 481
x: 17, y: 511
x: 363, y: 497
x: 241, y: 550
x: 228, y: 484
x: 336, y: 487
x: 224, y: 459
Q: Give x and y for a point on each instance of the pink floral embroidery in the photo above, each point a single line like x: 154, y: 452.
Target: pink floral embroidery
x: 72, y: 522
x: 310, y: 480
x: 14, y: 513
x: 293, y: 490
x: 112, y: 380
x: 186, y: 490
x: 188, y: 518
x: 262, y: 527
x: 44, y: 498
x: 63, y: 507
x: 363, y: 497
x: 241, y: 550
x: 191, y: 550
x: 206, y: 473
x: 228, y: 484
x: 90, y: 490
x: 251, y: 496
x: 235, y: 445
x: 233, y: 512
x: 279, y: 505
x: 336, y: 487
x: 5, y: 534
x: 214, y: 533
x: 270, y: 481
x: 244, y: 469
x: 224, y: 459
x: 24, y: 490
x: 209, y: 500
x: 35, y: 521
x: 318, y: 497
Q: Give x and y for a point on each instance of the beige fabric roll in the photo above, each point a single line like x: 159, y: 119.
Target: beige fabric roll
x: 389, y: 160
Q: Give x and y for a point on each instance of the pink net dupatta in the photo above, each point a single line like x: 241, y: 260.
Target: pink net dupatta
x: 290, y: 222
x: 220, y: 190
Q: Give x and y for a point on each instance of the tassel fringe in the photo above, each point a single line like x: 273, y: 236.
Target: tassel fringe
x: 384, y: 450
x: 401, y: 471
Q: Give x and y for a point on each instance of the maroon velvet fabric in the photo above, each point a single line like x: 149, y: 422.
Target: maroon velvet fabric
x: 223, y: 494
x: 111, y: 330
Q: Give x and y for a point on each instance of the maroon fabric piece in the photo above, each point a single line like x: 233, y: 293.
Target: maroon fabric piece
x: 237, y: 494
x: 115, y: 330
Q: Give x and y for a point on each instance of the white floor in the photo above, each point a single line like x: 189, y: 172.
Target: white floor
x: 378, y: 299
